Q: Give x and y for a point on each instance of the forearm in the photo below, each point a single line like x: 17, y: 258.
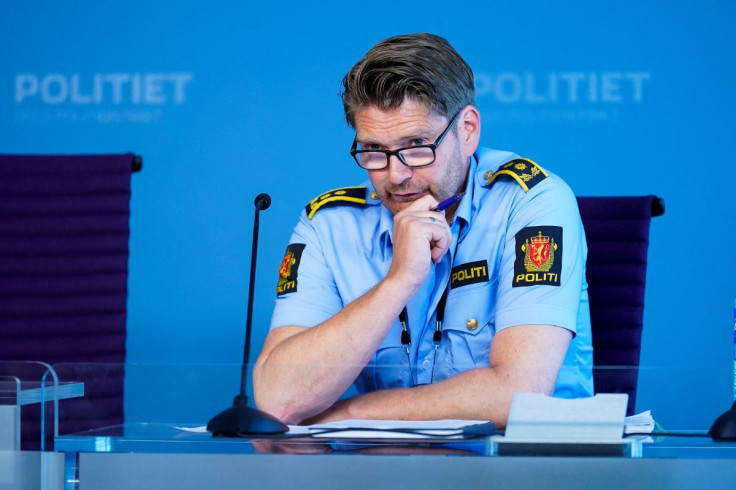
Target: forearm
x: 524, y: 359
x: 302, y: 375
x: 479, y: 394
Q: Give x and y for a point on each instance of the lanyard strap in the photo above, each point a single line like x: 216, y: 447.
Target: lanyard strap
x: 404, y: 315
x: 437, y: 336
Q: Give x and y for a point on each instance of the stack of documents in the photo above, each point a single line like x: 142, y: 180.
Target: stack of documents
x: 639, y: 423
x: 396, y: 429
x: 386, y: 429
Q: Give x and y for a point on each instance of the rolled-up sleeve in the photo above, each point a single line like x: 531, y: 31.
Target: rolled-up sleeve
x: 544, y: 288
x: 312, y: 297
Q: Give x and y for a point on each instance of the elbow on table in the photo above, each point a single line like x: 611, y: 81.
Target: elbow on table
x: 511, y: 384
x: 267, y: 400
x: 283, y: 413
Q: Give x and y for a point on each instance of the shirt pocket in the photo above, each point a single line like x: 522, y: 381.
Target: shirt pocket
x: 467, y: 330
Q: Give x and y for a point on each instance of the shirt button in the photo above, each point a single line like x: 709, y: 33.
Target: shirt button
x: 488, y: 174
x: 472, y: 324
x: 426, y: 364
x: 374, y: 195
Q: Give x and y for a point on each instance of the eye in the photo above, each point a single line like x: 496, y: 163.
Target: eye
x: 418, y: 142
x: 369, y: 146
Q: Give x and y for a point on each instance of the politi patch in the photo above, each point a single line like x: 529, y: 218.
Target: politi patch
x: 470, y: 273
x: 538, y: 256
x: 288, y: 269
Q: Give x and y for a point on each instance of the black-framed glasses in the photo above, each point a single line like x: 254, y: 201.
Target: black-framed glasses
x: 412, y: 156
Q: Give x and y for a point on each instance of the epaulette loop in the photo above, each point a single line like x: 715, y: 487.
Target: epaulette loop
x: 524, y: 171
x: 350, y: 196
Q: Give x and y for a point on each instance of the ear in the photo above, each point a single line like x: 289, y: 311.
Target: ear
x: 468, y: 129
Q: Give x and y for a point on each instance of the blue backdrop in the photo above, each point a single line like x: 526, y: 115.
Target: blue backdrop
x: 225, y: 100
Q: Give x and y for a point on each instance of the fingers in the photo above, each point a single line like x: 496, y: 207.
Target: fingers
x: 428, y: 217
x: 440, y: 235
x: 420, y: 237
x: 424, y: 203
x: 424, y: 207
x: 428, y: 227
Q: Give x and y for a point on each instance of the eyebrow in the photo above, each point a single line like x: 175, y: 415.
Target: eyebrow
x: 415, y: 135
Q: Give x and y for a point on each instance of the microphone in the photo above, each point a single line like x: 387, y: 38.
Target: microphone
x: 262, y: 202
x: 240, y: 420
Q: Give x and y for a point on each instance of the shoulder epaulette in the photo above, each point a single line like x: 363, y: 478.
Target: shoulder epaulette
x: 525, y: 172
x: 350, y: 196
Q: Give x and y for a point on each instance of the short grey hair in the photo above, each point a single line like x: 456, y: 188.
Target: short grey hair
x: 420, y: 66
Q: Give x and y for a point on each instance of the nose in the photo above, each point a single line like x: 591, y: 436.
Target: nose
x: 398, y: 172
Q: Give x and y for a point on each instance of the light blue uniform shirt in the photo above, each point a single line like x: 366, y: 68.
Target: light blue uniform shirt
x: 498, y: 277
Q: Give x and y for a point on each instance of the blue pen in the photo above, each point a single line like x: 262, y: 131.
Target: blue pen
x: 449, y: 202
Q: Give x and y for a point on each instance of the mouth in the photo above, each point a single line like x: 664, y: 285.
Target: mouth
x: 408, y: 196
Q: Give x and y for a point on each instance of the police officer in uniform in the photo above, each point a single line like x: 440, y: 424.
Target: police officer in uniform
x: 452, y: 279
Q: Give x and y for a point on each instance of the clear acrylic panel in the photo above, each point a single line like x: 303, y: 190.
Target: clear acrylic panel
x: 30, y: 396
x: 167, y: 406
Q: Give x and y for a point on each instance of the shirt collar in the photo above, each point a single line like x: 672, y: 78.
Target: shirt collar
x: 465, y: 208
x: 385, y: 220
x: 385, y: 229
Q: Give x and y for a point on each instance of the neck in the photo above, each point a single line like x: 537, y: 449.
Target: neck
x: 450, y: 212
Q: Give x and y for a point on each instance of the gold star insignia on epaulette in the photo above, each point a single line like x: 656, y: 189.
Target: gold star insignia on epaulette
x: 524, y: 171
x: 351, y: 196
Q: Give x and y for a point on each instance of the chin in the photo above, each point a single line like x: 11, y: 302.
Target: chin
x: 394, y: 207
x: 397, y: 206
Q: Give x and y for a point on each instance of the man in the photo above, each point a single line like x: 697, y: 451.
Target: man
x: 431, y: 314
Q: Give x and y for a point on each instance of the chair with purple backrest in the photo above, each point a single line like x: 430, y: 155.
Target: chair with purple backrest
x: 64, y: 223
x: 617, y: 231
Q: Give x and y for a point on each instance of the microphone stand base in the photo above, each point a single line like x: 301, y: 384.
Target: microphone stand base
x: 244, y: 421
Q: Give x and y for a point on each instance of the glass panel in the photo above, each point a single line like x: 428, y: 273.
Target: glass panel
x: 29, y: 399
x: 167, y: 407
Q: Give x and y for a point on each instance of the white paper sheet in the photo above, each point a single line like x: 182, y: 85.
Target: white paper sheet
x: 392, y: 429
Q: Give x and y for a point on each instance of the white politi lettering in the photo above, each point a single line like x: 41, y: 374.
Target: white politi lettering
x: 508, y: 87
x: 54, y: 88
x: 150, y: 89
x: 135, y: 88
x: 531, y: 94
x: 572, y: 80
x: 154, y: 86
x: 611, y: 87
x: 116, y: 84
x: 180, y: 80
x: 25, y: 86
x: 637, y: 79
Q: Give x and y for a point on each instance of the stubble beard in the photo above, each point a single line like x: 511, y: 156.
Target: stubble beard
x: 452, y: 182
